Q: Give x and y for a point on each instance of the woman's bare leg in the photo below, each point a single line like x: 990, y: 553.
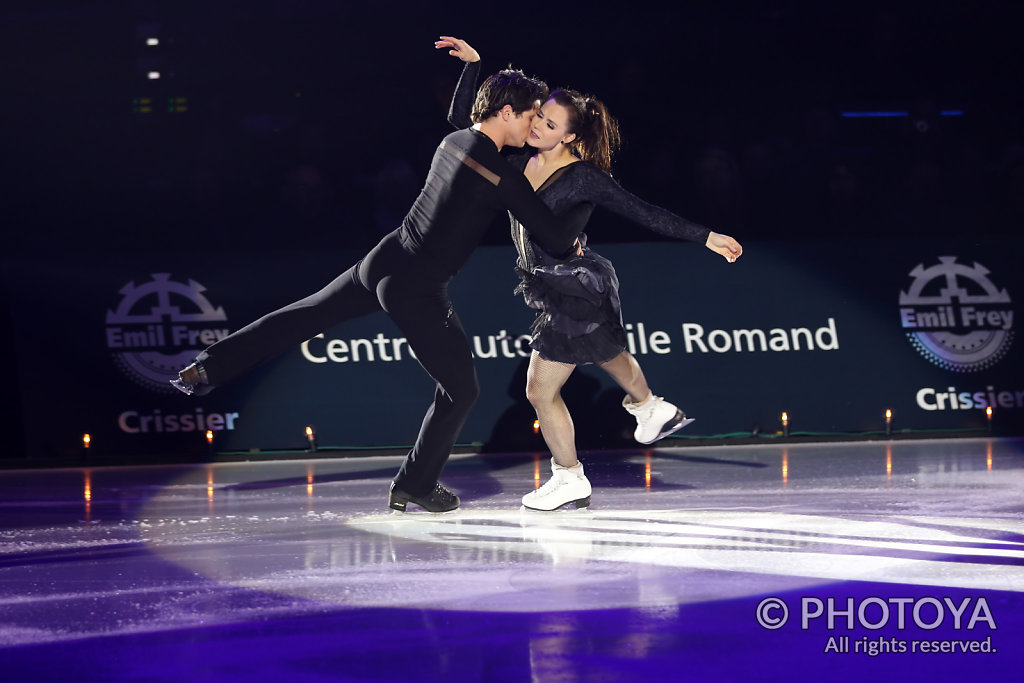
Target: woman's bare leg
x: 568, y: 484
x: 544, y: 382
x: 627, y: 373
x: 656, y: 418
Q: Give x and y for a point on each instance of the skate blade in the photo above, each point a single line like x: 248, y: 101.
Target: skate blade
x: 577, y: 504
x: 416, y: 511
x: 675, y: 428
x: 182, y: 387
x: 191, y: 389
x: 671, y: 427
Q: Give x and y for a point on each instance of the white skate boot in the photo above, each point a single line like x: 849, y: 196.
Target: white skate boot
x: 656, y: 418
x: 566, y: 485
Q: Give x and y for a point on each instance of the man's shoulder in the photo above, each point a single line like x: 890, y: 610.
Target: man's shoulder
x: 464, y: 138
x: 473, y: 143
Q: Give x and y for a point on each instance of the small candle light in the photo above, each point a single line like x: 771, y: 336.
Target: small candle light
x: 87, y: 440
x: 988, y: 417
x: 785, y: 423
x: 888, y: 422
x: 536, y: 426
x: 311, y: 437
x: 209, y: 439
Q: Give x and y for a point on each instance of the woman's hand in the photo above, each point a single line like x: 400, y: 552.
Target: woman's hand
x: 724, y: 245
x: 458, y: 48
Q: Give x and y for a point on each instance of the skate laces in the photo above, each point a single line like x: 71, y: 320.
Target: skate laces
x: 550, y: 485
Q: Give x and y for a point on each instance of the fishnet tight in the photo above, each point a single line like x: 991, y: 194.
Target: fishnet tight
x: 544, y: 382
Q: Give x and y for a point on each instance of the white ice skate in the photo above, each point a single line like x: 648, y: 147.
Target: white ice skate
x: 566, y: 485
x: 656, y: 418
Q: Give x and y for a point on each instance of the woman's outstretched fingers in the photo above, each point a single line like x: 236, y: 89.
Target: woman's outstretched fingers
x: 459, y: 48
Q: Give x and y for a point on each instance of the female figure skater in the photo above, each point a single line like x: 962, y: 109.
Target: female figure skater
x: 579, y: 319
x: 407, y: 275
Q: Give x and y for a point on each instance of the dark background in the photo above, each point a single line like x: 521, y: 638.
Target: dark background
x: 309, y: 124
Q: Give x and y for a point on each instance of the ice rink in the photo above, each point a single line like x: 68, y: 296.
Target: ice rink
x: 866, y: 561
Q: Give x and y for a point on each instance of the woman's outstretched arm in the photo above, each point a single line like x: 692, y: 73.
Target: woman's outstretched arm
x: 465, y: 92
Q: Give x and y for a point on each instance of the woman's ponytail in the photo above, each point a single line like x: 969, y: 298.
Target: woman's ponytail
x: 597, y: 133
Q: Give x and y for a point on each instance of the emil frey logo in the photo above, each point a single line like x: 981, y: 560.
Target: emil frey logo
x: 159, y: 327
x: 955, y: 316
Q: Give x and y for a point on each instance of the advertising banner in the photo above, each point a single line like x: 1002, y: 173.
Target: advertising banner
x: 834, y: 334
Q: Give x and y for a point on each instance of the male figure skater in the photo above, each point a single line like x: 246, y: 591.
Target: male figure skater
x: 407, y: 274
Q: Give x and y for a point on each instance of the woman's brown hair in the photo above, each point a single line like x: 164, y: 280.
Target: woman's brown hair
x: 597, y: 133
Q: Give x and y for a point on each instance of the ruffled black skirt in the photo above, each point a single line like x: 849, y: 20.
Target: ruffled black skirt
x: 579, y: 316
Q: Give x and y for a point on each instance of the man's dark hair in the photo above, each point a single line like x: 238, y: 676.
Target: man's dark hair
x: 509, y: 86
